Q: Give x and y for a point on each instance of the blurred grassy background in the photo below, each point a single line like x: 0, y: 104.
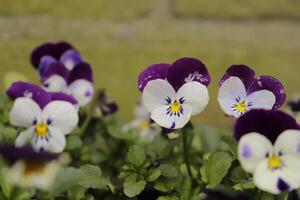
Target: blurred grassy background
x: 122, y: 37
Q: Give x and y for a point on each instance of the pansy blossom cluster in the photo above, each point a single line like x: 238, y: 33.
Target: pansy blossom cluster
x: 62, y: 69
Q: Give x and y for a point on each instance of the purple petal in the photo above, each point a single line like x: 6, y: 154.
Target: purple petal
x: 45, y: 62
x: 81, y: 71
x: 70, y: 58
x: 271, y: 84
x: 22, y: 89
x: 245, y: 73
x: 187, y: 68
x: 294, y: 105
x: 269, y: 123
x: 59, y: 96
x: 156, y: 71
x: 55, y: 69
x: 107, y: 106
x: 13, y: 154
x: 51, y: 49
x: 283, y: 186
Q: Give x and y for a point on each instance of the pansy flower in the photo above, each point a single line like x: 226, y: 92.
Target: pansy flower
x: 106, y: 105
x: 28, y: 168
x: 268, y: 148
x: 143, y: 123
x: 240, y: 91
x: 48, y: 117
x: 48, y: 53
x: 172, y: 93
x: 78, y: 82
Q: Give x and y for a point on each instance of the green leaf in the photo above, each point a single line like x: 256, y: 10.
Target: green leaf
x: 77, y: 192
x: 153, y: 175
x: 93, y: 178
x: 136, y: 155
x: 5, y: 186
x: 168, y: 198
x: 133, y: 186
x: 168, y: 171
x: 73, y: 142
x: 7, y: 134
x: 215, y: 168
x: 238, y: 174
x: 231, y: 143
x: 165, y: 184
x: 163, y: 147
x: 186, y: 188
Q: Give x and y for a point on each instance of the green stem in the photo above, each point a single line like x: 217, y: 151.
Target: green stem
x: 186, y: 152
x: 91, y: 112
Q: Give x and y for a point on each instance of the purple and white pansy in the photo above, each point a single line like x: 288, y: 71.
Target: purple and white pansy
x: 78, y: 82
x: 62, y: 69
x: 48, y: 117
x: 48, y: 53
x: 240, y: 91
x: 29, y: 168
x: 268, y: 148
x: 172, y: 93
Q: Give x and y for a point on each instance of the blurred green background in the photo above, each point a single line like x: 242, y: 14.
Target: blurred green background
x: 122, y: 37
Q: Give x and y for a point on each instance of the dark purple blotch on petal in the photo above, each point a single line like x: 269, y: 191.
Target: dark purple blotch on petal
x: 187, y: 69
x: 59, y: 96
x: 269, y: 123
x: 272, y: 84
x: 246, y: 151
x: 156, y: 71
x: 243, y: 72
x: 51, y: 49
x: 23, y: 89
x: 283, y: 186
x: 55, y: 69
x: 13, y: 154
x: 81, y: 71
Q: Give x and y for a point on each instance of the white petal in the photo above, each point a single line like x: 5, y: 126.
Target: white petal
x: 55, y: 83
x: 82, y: 91
x: 195, y: 95
x: 288, y: 142
x: 160, y: 116
x: 63, y: 115
x: 263, y: 99
x: 57, y: 141
x: 39, y: 143
x: 24, y: 112
x: 156, y: 92
x: 141, y: 111
x: 24, y: 137
x: 271, y: 180
x: 252, y: 149
x: 229, y: 91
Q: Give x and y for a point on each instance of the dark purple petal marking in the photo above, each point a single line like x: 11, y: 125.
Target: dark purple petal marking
x: 246, y: 152
x: 51, y: 49
x: 283, y: 186
x: 55, y: 69
x: 21, y: 89
x: 269, y: 123
x: 272, y: 84
x: 243, y: 72
x: 173, y: 125
x: 156, y: 71
x: 13, y: 154
x: 59, y: 96
x: 71, y: 57
x: 185, y: 70
x: 81, y: 71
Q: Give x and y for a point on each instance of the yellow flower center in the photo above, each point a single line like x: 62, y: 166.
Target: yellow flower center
x: 175, y: 107
x: 241, y: 107
x: 41, y: 130
x: 274, y: 162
